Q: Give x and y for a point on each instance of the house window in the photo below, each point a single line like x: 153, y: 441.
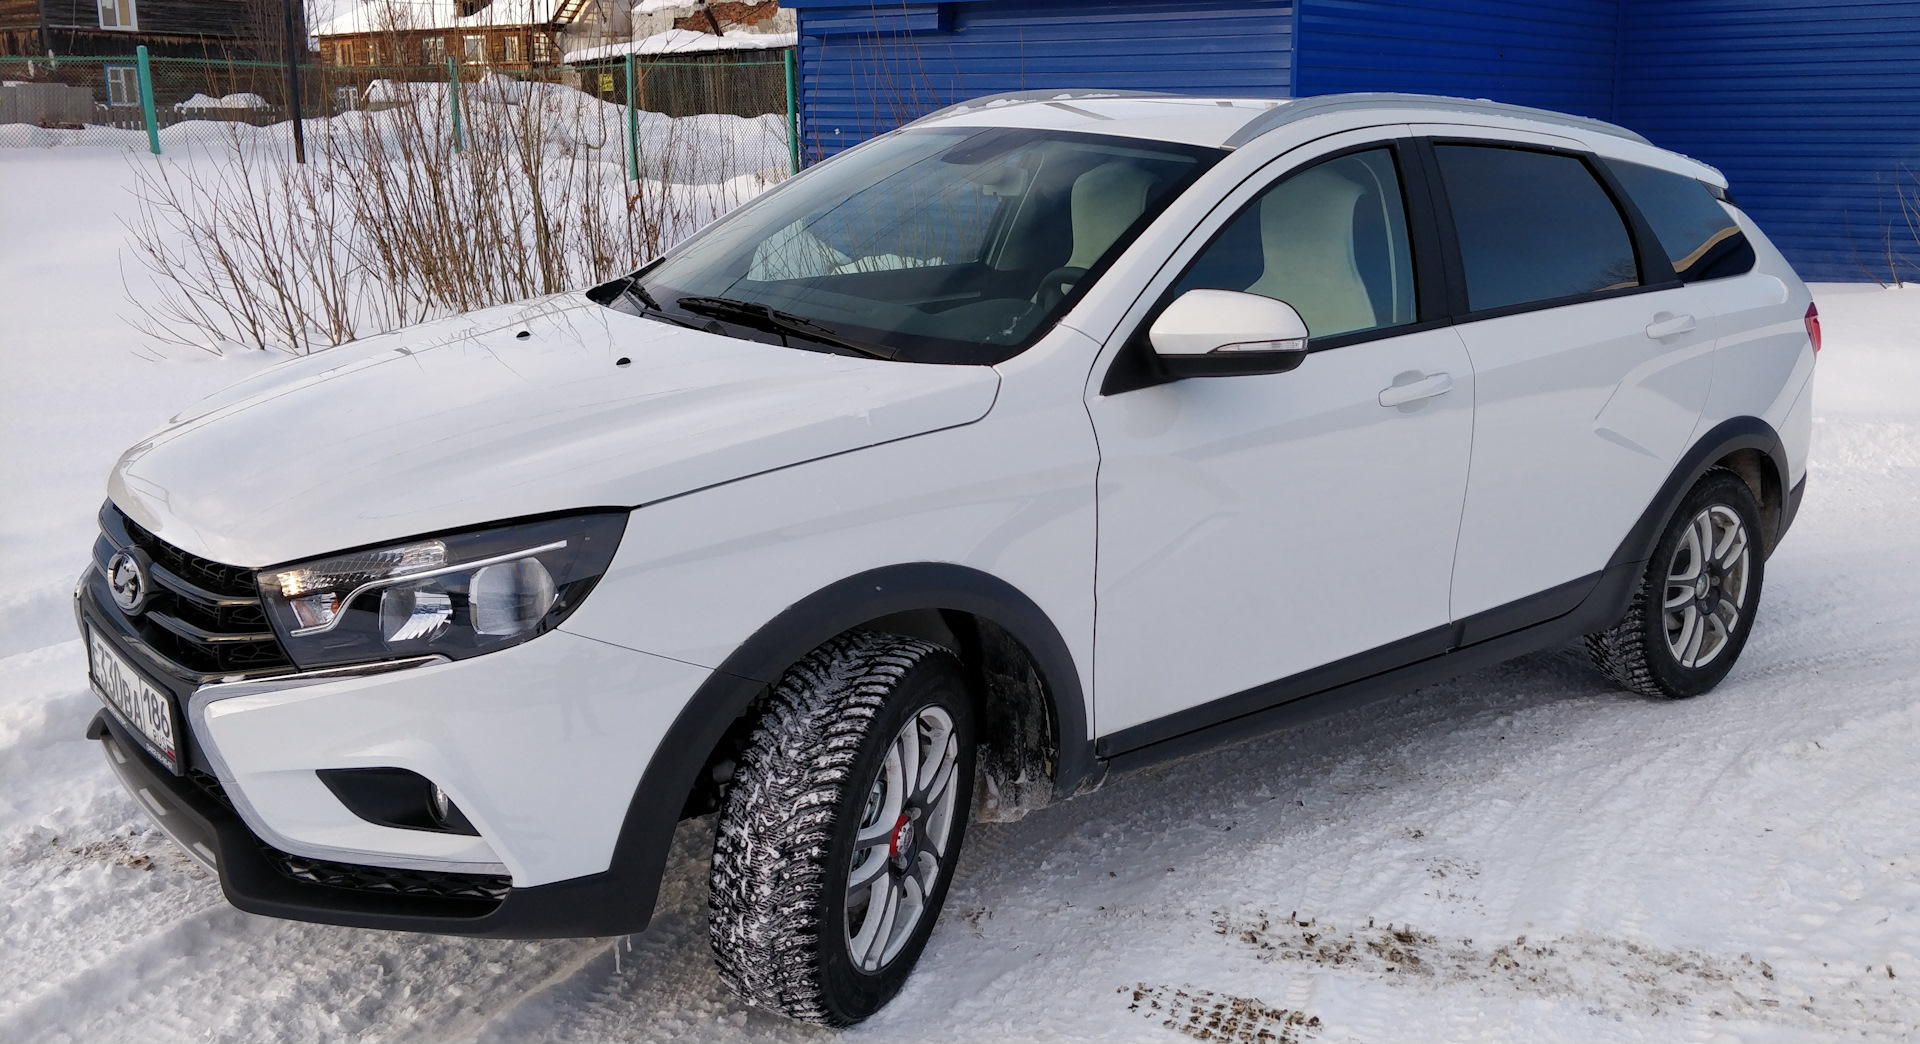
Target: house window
x: 542, y: 49
x: 373, y: 53
x: 476, y: 49
x: 346, y: 98
x: 118, y: 14
x: 433, y: 50
x: 514, y: 55
x: 123, y: 85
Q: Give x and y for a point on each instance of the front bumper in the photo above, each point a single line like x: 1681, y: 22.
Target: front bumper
x: 257, y: 878
x: 542, y: 745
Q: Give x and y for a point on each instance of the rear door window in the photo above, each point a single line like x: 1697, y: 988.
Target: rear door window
x: 1533, y: 226
x: 1701, y: 240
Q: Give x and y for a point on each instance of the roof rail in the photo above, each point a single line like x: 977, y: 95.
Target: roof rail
x: 1033, y: 96
x: 1301, y: 108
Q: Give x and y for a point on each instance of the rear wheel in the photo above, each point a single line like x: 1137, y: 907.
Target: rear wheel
x: 840, y: 834
x: 1694, y: 608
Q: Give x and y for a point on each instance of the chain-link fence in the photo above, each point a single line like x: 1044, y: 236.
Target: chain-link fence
x: 162, y: 103
x: 421, y: 190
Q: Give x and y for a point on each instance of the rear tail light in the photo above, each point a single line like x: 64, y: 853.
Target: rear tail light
x: 1813, y: 326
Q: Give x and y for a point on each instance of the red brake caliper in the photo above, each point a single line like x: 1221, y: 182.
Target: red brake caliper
x: 893, y: 843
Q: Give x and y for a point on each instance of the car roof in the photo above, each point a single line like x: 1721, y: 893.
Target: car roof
x: 1225, y: 122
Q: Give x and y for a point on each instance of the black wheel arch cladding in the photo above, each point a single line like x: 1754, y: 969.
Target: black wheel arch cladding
x: 1721, y: 441
x: 674, y: 769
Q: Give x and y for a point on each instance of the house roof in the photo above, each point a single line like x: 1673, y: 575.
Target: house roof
x: 379, y: 16
x: 685, y: 41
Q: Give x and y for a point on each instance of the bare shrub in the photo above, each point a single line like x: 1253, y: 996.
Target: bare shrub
x: 1894, y: 256
x: 389, y: 225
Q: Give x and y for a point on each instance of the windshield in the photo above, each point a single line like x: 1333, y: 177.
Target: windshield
x: 944, y: 245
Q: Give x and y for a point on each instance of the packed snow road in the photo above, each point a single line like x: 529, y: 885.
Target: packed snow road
x: 1521, y: 854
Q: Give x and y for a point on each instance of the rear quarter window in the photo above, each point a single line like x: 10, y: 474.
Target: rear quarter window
x: 1701, y: 240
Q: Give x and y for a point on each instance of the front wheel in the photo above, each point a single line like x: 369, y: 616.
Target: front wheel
x: 840, y: 833
x: 1694, y: 608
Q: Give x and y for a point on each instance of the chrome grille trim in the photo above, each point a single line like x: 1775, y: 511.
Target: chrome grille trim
x: 204, y: 620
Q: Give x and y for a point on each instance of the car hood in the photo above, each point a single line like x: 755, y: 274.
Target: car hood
x: 550, y: 406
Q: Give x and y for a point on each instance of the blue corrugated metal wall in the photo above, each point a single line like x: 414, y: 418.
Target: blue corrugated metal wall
x: 868, y: 67
x: 1811, y: 110
x: 1554, y: 55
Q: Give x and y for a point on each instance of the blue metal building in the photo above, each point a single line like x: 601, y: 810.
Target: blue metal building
x: 1811, y: 109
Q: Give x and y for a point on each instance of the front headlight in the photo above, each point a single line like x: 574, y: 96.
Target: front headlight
x: 457, y: 595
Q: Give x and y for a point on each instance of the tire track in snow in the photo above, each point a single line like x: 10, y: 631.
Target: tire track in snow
x: 1613, y: 974
x: 223, y: 975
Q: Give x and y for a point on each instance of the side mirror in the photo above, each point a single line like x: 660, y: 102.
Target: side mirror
x: 1225, y: 333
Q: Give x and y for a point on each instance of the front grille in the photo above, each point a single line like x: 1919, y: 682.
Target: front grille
x: 203, y: 615
x: 214, y: 577
x: 434, y: 884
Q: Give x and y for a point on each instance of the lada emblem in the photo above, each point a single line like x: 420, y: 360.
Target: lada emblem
x: 127, y: 578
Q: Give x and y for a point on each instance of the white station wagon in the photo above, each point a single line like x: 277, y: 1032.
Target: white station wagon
x: 1051, y: 435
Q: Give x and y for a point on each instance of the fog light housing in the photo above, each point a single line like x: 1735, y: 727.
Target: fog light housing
x: 397, y: 797
x: 447, y: 815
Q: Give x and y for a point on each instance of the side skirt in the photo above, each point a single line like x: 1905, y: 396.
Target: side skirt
x: 1543, y: 621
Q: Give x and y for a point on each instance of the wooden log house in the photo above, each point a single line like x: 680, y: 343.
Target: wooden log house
x: 168, y: 28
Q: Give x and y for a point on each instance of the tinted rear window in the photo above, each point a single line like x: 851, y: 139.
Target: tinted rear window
x: 1533, y: 226
x: 1700, y: 238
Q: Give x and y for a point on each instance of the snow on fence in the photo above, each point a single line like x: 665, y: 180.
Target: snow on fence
x: 162, y: 103
x: 424, y: 191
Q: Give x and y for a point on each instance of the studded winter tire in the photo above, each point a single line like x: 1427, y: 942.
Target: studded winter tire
x: 1694, y: 608
x: 840, y: 833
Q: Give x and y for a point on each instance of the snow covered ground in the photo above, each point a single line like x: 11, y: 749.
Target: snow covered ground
x: 1523, y: 854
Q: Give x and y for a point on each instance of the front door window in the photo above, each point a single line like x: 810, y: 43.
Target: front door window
x: 1331, y: 241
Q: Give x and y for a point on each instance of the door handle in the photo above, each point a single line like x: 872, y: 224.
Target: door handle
x: 1666, y: 324
x: 1424, y: 388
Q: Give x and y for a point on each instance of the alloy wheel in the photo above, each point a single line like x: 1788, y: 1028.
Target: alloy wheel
x: 1706, y: 589
x: 902, y: 839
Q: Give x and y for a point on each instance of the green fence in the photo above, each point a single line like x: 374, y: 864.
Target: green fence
x: 160, y: 104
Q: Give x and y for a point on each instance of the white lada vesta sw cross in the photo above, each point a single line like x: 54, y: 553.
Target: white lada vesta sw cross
x: 1048, y: 436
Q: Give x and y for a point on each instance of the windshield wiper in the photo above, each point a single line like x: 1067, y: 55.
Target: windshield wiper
x: 760, y: 317
x: 629, y: 287
x: 639, y: 293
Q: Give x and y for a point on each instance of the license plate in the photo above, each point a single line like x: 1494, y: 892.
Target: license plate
x: 139, y: 702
